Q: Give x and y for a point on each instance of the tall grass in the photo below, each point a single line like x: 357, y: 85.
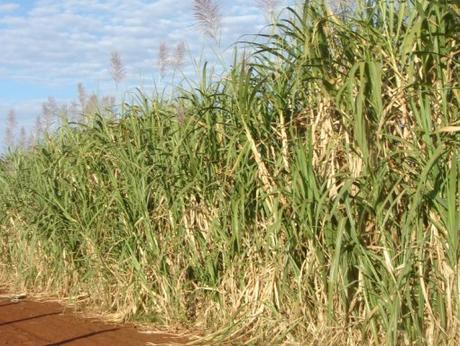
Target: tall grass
x: 311, y: 196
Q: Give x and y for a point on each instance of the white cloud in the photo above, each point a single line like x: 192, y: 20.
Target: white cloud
x: 8, y: 7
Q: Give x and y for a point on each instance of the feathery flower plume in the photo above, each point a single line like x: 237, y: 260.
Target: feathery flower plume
x: 179, y: 56
x: 10, y: 127
x: 31, y: 140
x: 73, y: 111
x: 163, y: 58
x: 108, y: 102
x: 91, y: 107
x: 118, y: 69
x: 50, y: 110
x: 81, y: 95
x: 38, y: 130
x: 108, y: 105
x: 22, y: 138
x: 207, y: 14
x: 268, y: 6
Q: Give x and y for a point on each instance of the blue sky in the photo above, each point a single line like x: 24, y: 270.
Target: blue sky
x: 48, y: 47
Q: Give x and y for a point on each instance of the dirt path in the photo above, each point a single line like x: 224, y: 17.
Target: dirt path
x: 26, y: 322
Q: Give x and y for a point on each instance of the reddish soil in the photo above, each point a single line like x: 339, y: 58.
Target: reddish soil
x: 26, y: 322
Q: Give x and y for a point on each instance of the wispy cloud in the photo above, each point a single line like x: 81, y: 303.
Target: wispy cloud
x: 71, y: 40
x: 8, y: 7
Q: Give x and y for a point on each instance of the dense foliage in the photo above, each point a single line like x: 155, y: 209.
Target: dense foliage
x: 312, y: 195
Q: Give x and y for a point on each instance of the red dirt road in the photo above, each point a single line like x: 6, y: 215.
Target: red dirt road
x: 32, y: 323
